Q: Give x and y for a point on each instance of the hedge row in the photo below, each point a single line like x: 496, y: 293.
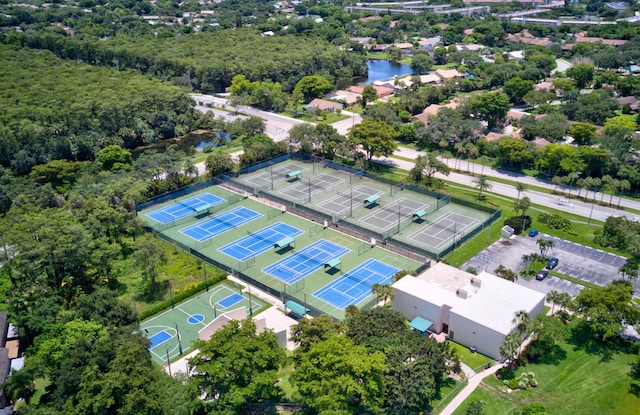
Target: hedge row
x: 180, y: 296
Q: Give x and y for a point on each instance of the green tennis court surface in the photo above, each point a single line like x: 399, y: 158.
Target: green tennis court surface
x: 421, y: 224
x: 189, y: 317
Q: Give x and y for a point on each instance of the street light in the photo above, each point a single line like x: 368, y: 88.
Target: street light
x: 170, y: 292
x: 591, y: 212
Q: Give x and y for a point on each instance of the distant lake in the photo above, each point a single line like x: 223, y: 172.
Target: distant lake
x: 381, y: 69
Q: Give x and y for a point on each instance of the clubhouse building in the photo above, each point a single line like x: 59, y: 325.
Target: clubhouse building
x: 473, y: 310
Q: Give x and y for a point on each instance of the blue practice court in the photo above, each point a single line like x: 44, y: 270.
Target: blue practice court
x: 230, y: 300
x: 159, y: 338
x: 220, y: 223
x: 304, y: 262
x: 259, y: 242
x: 355, y: 285
x: 183, y: 208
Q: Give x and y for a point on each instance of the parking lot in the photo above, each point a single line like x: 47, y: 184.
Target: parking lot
x: 575, y: 260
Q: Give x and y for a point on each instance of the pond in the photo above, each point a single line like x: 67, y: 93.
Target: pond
x: 198, y: 140
x: 382, y: 69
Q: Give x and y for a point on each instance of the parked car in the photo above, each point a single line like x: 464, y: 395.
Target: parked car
x: 533, y: 232
x: 542, y: 274
x: 553, y: 262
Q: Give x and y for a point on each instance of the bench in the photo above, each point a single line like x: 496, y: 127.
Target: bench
x: 294, y: 175
x: 334, y: 263
x: 371, y: 199
x: 288, y: 241
x: 419, y: 214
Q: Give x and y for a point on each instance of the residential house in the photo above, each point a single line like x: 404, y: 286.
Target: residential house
x: 319, y: 104
x: 431, y: 78
x: 448, y: 74
x: 349, y: 98
x: 631, y: 100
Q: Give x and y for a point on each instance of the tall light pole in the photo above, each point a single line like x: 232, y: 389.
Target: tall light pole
x: 170, y: 292
x: 206, y: 281
x: 591, y: 212
x: 250, y: 304
x: 179, y: 340
x: 168, y: 361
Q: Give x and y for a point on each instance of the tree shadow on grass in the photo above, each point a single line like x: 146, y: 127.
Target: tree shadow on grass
x: 583, y: 338
x: 552, y: 356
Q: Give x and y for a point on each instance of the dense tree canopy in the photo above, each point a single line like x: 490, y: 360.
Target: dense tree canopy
x: 69, y: 111
x: 237, y: 366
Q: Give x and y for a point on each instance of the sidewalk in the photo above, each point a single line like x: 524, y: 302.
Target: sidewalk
x: 472, y: 384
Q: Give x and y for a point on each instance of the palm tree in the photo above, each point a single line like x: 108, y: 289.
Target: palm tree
x: 377, y: 290
x: 553, y: 297
x: 564, y: 300
x: 523, y: 319
x: 520, y: 187
x: 510, y: 347
x: 482, y: 183
x: 351, y: 311
x: 20, y: 384
x: 545, y: 245
x: 387, y: 293
x: 528, y: 259
x: 384, y: 292
x: 505, y: 273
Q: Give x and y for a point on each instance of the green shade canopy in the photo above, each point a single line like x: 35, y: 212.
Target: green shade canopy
x: 420, y: 324
x: 296, y: 308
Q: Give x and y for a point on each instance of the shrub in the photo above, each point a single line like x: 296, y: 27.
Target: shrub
x: 555, y: 221
x: 518, y: 223
x: 472, y: 270
x: 188, y: 291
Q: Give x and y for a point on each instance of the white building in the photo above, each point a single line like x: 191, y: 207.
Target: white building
x: 473, y: 310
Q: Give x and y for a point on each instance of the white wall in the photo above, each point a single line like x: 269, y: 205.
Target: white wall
x: 411, y: 307
x: 469, y: 333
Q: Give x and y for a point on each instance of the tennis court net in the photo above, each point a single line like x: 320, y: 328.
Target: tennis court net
x: 264, y: 238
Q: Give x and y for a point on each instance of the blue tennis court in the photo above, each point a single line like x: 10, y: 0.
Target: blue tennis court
x: 304, y: 262
x: 260, y: 241
x: 183, y: 208
x: 220, y: 223
x: 355, y: 285
x: 231, y: 300
x: 159, y: 338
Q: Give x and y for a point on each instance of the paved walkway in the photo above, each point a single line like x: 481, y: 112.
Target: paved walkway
x: 473, y: 383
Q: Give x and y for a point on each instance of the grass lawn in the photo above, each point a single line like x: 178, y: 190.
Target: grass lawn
x: 183, y: 269
x: 588, y: 378
x: 326, y: 117
x: 285, y: 384
x: 473, y: 360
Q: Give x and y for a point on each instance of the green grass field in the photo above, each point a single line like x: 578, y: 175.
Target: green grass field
x: 588, y: 379
x: 473, y: 360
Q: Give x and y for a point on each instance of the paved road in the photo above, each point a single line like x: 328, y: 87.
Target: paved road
x: 278, y: 126
x: 527, y: 180
x: 576, y: 207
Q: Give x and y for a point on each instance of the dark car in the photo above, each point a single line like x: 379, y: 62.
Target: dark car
x: 533, y: 232
x: 542, y: 274
x: 553, y: 262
